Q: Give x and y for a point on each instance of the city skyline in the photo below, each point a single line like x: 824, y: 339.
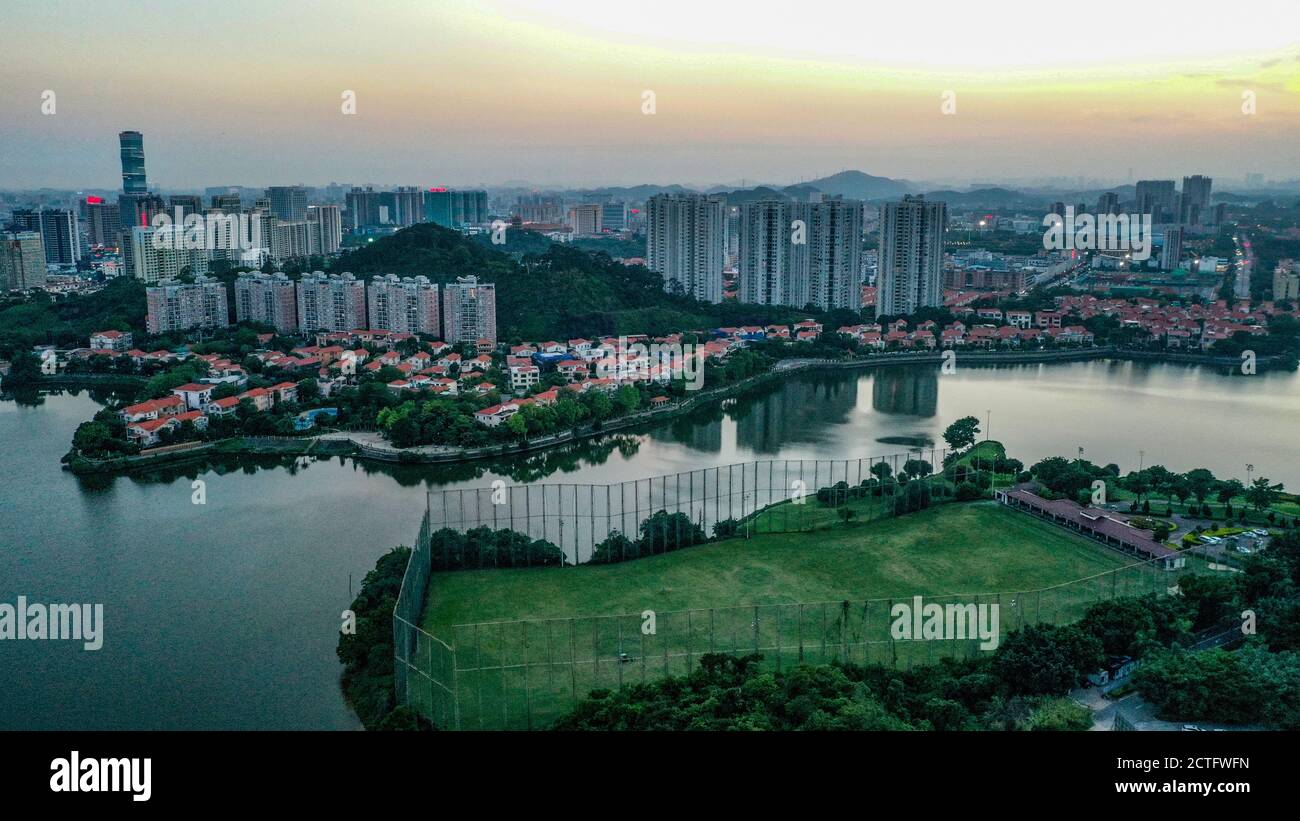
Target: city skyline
x: 496, y: 93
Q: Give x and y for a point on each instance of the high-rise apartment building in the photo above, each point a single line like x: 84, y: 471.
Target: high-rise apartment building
x: 290, y: 239
x: 186, y: 204
x: 764, y: 265
x: 22, y: 261
x: 59, y: 232
x: 910, y: 256
x: 331, y: 303
x: 362, y: 206
x: 585, y: 220
x: 270, y: 299
x: 1172, y: 250
x: 685, y: 236
x: 159, y: 254
x: 325, y: 227
x: 288, y: 202
x: 453, y: 209
x: 826, y: 267
x: 181, y: 306
x: 1286, y: 281
x: 1157, y: 198
x: 406, y: 304
x: 469, y: 310
x: 103, y: 222
x: 1195, y: 200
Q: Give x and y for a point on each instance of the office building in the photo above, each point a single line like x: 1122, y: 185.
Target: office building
x: 331, y: 303
x: 910, y: 256
x: 454, y: 209
x: 131, y: 144
x: 585, y: 220
x: 186, y: 204
x: 469, y: 310
x: 180, y: 306
x: 685, y: 236
x: 270, y: 299
x: 22, y: 260
x: 407, y: 305
x: 613, y: 216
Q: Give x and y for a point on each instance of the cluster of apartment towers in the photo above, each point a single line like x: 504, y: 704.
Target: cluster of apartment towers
x: 797, y: 253
x: 466, y: 311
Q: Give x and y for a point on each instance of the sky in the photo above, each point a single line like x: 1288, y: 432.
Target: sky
x: 579, y: 93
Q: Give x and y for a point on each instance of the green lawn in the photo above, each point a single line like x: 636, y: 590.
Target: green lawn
x: 954, y: 548
x: 528, y: 643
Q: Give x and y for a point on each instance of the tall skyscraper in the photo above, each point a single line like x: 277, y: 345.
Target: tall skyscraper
x: 288, y: 202
x: 331, y: 303
x: 1195, y: 208
x: 1108, y: 203
x: 133, y: 174
x: 469, y: 310
x: 764, y: 267
x: 269, y: 299
x: 180, y: 306
x: 22, y: 261
x: 910, y: 256
x: 826, y: 268
x: 59, y: 232
x: 325, y: 226
x: 290, y: 239
x: 685, y: 236
x: 406, y: 304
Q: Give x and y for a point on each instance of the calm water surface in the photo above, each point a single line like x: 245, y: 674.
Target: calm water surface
x: 226, y: 615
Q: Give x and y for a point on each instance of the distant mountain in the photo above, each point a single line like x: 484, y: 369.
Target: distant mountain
x: 986, y: 197
x: 860, y: 186
x: 633, y: 193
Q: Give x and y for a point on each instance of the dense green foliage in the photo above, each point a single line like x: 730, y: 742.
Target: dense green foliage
x: 68, y: 321
x: 367, y: 654
x: 485, y: 547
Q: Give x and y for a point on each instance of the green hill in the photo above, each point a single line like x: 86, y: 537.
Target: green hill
x: 549, y: 290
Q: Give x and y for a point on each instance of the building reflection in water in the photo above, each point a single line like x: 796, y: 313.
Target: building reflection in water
x: 905, y: 391
x: 796, y: 411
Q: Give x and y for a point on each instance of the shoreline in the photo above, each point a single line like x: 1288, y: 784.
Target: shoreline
x: 368, y: 445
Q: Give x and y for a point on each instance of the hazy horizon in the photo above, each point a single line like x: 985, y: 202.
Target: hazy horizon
x: 486, y: 93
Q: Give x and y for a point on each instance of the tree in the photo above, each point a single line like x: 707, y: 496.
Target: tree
x: 1262, y: 494
x: 1045, y: 659
x: 1228, y: 490
x: 961, y: 434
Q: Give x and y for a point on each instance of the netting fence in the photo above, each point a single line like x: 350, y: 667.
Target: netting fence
x: 523, y: 674
x: 774, y: 496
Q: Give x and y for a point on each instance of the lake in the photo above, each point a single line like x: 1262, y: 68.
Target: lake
x: 226, y: 614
